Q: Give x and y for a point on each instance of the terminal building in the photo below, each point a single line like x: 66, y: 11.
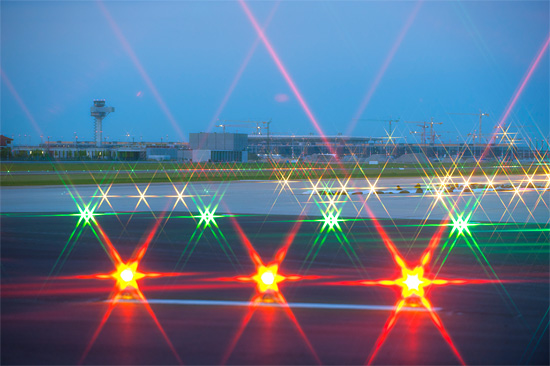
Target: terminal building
x: 295, y: 146
x: 218, y: 147
x: 317, y: 148
x: 240, y: 147
x: 203, y: 147
x: 234, y: 147
x: 111, y: 150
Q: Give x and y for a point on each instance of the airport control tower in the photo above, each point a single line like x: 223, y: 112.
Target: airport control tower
x: 99, y: 111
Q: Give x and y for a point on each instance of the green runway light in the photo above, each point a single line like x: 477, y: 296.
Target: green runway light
x: 331, y: 221
x: 461, y: 224
x: 330, y: 206
x: 86, y: 214
x: 207, y: 217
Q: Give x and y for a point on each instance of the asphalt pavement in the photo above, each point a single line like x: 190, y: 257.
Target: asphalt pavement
x: 52, y: 306
x: 294, y: 198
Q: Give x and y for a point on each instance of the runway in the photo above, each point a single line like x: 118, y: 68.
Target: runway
x: 197, y: 307
x: 293, y: 198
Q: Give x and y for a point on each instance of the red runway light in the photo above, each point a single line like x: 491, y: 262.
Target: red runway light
x: 413, y: 283
x: 126, y: 276
x: 267, y: 278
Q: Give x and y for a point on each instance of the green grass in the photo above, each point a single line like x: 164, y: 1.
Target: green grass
x: 81, y: 166
x: 86, y: 166
x: 155, y: 172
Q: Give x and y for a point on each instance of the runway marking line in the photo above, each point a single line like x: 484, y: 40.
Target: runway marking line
x: 303, y: 305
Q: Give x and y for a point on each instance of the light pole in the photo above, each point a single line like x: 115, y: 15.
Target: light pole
x: 76, y: 145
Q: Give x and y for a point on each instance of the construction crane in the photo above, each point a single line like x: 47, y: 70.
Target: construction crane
x: 229, y: 123
x: 259, y: 126
x: 432, y: 132
x: 505, y: 134
x: 424, y: 126
x: 223, y: 126
x: 390, y: 132
x: 390, y: 121
x: 481, y: 115
x: 414, y: 132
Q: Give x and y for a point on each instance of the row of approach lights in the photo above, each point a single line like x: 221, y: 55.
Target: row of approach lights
x: 267, y: 277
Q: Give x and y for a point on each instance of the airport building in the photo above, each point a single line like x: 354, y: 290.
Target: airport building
x: 316, y: 148
x: 87, y: 150
x: 294, y: 146
x: 218, y: 147
x: 240, y: 147
x: 232, y: 147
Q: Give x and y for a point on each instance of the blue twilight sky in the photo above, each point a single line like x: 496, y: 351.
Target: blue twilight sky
x: 460, y: 56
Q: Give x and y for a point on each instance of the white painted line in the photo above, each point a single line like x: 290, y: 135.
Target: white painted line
x: 296, y: 305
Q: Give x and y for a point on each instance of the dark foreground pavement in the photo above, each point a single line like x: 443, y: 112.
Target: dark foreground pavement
x: 49, y: 316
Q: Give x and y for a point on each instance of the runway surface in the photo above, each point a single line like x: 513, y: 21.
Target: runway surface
x: 52, y: 307
x: 295, y: 198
